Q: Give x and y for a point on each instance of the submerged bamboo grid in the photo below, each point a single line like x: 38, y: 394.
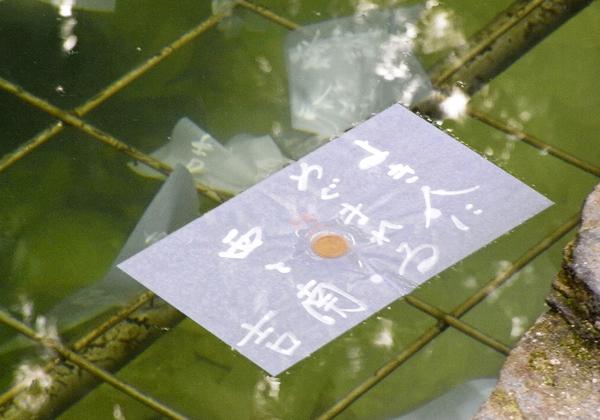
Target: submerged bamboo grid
x: 108, y: 347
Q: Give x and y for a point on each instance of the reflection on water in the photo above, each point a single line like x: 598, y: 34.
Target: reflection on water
x: 440, y: 29
x: 63, y: 206
x: 66, y: 7
x: 454, y: 107
x: 67, y: 20
x: 37, y: 381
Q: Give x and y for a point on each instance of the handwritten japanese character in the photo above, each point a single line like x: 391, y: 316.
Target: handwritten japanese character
x: 240, y: 248
x: 195, y: 166
x: 399, y: 170
x: 279, y: 266
x: 306, y: 170
x: 326, y: 193
x: 255, y: 330
x: 376, y: 158
x: 425, y: 264
x: 200, y: 147
x: 259, y: 334
x: 432, y: 213
x: 324, y: 297
x: 458, y: 223
x: 278, y: 345
x: 351, y: 212
x: 378, y: 236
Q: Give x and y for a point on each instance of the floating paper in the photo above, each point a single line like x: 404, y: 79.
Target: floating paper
x: 293, y: 262
x: 343, y: 70
x: 232, y: 168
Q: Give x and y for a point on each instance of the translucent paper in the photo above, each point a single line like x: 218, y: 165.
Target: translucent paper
x: 231, y: 168
x: 343, y: 70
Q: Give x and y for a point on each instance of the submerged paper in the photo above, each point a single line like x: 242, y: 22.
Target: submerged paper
x: 410, y: 200
x: 175, y: 205
x: 243, y: 161
x: 343, y: 70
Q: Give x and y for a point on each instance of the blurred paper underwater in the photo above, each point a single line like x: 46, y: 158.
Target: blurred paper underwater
x: 343, y: 70
x: 231, y: 168
x: 175, y: 205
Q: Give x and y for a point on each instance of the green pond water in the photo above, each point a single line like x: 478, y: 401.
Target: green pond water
x: 67, y: 208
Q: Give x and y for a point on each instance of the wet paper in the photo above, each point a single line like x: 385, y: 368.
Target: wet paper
x: 343, y: 70
x: 243, y: 160
x: 293, y: 262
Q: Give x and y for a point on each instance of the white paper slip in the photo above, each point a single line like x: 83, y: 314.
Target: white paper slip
x: 293, y: 262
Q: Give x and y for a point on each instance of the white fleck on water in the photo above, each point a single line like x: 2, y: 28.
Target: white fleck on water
x: 470, y: 282
x: 264, y: 64
x: 46, y: 328
x: 118, y: 412
x: 518, y: 326
x: 441, y: 29
x: 385, y: 336
x: 355, y: 357
x: 37, y: 382
x: 25, y: 308
x: 274, y: 385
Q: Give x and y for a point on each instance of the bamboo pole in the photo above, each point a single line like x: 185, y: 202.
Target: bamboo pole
x: 80, y: 370
x: 509, y: 36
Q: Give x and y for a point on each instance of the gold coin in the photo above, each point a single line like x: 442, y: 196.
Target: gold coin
x: 330, y: 245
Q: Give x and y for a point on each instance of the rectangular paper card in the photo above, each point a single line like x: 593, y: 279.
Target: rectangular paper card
x: 293, y: 262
